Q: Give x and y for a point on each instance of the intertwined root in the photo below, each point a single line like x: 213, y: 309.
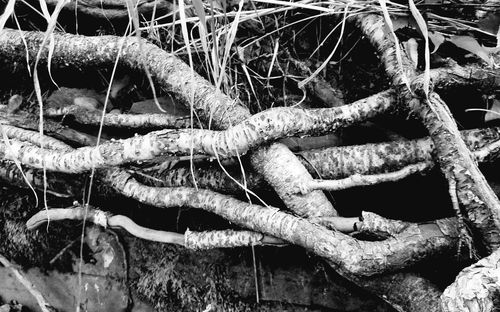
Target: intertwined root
x: 272, y: 164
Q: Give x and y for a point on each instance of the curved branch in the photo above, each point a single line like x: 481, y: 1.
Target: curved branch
x: 258, y: 129
x: 190, y: 239
x: 34, y: 138
x: 456, y: 162
x: 210, y: 105
x: 348, y: 254
x: 93, y: 117
x: 330, y: 163
x: 357, y: 180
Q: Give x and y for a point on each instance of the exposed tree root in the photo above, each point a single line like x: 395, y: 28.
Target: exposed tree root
x: 370, y: 160
x: 475, y: 195
x: 232, y: 132
x: 190, y: 239
x: 392, y: 254
x: 475, y: 288
x: 94, y: 117
x: 209, y: 104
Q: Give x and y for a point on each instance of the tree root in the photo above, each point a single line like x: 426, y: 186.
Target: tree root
x: 475, y: 195
x: 190, y: 239
x: 475, y: 288
x: 403, y: 244
x: 384, y: 256
x: 145, y: 121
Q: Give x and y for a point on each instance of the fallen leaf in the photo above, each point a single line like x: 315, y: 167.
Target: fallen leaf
x: 494, y: 112
x: 490, y: 23
x: 437, y: 40
x: 470, y: 44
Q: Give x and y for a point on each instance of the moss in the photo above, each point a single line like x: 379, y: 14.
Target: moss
x: 185, y: 280
x: 25, y: 247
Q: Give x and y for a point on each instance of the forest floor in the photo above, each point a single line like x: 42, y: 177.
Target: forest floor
x: 78, y: 264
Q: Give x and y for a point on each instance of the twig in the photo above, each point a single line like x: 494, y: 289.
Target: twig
x: 357, y: 180
x: 190, y: 239
x: 355, y: 256
x: 260, y: 128
x: 93, y: 117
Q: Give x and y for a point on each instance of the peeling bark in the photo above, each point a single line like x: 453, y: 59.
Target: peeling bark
x: 330, y: 163
x: 474, y: 194
x: 349, y: 255
x: 209, y: 104
x: 95, y: 118
x: 237, y: 140
x: 476, y: 288
x: 375, y: 158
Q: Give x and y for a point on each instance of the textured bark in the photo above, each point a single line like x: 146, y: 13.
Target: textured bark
x: 368, y: 159
x: 29, y: 120
x: 345, y: 161
x: 190, y: 239
x: 358, y: 180
x: 349, y: 255
x: 168, y: 71
x: 474, y: 194
x: 237, y: 140
x: 383, y: 228
x: 34, y: 138
x: 473, y: 75
x: 476, y: 288
x: 84, y: 158
x: 209, y: 104
x: 285, y: 188
x: 58, y: 184
x: 330, y: 163
x: 95, y: 118
x: 363, y: 159
x: 226, y: 239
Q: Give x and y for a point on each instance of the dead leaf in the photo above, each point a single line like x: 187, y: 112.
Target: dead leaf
x: 470, y: 44
x: 437, y: 40
x: 490, y: 23
x: 118, y: 85
x: 494, y: 112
